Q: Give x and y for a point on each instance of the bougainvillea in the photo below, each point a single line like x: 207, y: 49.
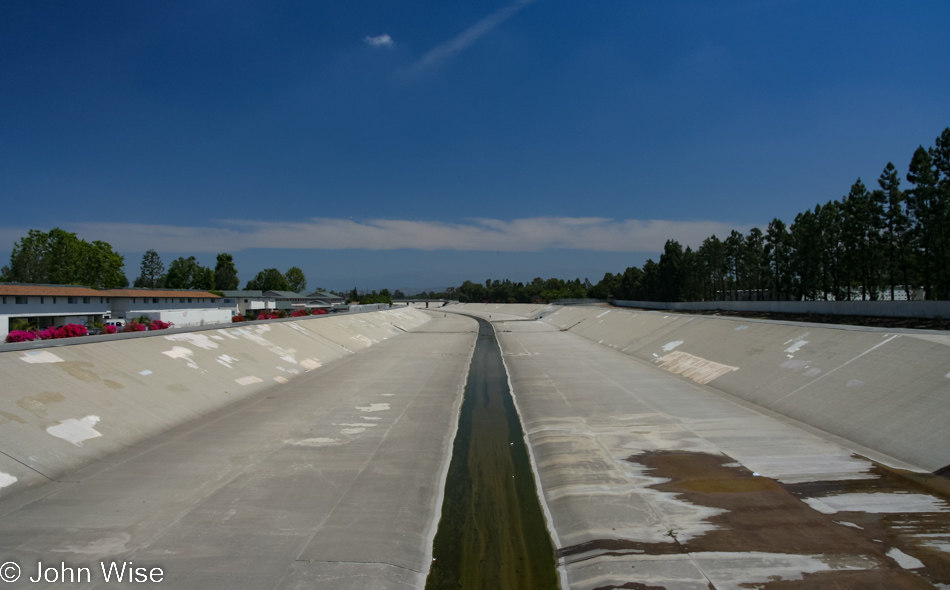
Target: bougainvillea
x: 109, y: 329
x: 319, y: 312
x: 267, y: 315
x: 21, y: 336
x: 134, y: 327
x: 299, y: 313
x: 51, y: 333
x: 159, y: 325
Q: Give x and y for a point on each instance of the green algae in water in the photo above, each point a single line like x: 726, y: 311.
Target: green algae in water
x: 492, y: 533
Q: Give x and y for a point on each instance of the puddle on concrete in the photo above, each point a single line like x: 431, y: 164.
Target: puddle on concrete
x: 762, y: 515
x: 492, y: 533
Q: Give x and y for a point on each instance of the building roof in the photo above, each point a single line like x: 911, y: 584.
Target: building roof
x: 286, y: 295
x: 324, y: 295
x: 53, y: 290
x: 243, y: 293
x: 157, y: 293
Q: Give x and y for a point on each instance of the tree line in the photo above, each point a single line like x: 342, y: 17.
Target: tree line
x: 59, y: 257
x: 869, y: 244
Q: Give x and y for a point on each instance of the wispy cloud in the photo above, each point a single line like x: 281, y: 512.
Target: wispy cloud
x: 469, y: 36
x: 383, y: 40
x: 516, y: 235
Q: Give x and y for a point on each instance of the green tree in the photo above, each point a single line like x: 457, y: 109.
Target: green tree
x: 152, y: 271
x: 269, y: 279
x: 778, y: 249
x: 61, y: 258
x: 296, y: 280
x: 186, y: 273
x: 225, y: 274
x: 898, y: 252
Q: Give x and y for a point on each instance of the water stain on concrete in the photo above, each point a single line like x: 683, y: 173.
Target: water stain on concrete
x: 113, y: 384
x: 79, y: 370
x: 8, y: 417
x: 177, y: 388
x: 39, y: 403
x: 760, y: 514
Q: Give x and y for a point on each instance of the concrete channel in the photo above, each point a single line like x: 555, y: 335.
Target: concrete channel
x: 671, y: 451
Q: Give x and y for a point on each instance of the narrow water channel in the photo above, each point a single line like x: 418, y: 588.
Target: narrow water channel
x: 492, y: 533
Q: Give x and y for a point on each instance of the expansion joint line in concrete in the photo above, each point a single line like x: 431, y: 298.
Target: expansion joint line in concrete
x: 841, y: 366
x: 31, y: 468
x: 402, y: 567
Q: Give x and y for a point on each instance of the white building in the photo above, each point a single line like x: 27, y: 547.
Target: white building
x: 242, y: 302
x: 43, y: 306
x: 178, y: 306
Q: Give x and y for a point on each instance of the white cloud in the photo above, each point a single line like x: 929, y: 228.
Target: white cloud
x: 469, y: 35
x: 383, y: 40
x: 517, y: 235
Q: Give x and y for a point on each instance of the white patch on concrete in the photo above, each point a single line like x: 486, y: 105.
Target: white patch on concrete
x: 358, y: 424
x: 6, y: 479
x: 289, y: 359
x: 76, y: 431
x: 146, y: 372
x: 854, y: 383
x: 194, y: 338
x: 850, y: 524
x: 227, y: 360
x: 311, y: 364
x: 281, y: 380
x: 947, y: 375
x: 249, y: 380
x: 812, y: 372
x: 180, y: 352
x: 741, y: 328
x: 905, y: 561
x: 100, y: 547
x: 370, y: 418
x: 373, y: 407
x: 754, y: 568
x: 217, y: 337
x: 388, y: 394
x: 39, y: 357
x: 228, y: 334
x: 317, y: 442
x: 794, y: 364
x: 693, y: 367
x: 880, y: 503
x: 671, y: 345
x: 352, y: 430
x: 603, y: 314
x: 796, y: 343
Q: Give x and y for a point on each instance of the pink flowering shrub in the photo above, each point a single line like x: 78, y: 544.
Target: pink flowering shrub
x: 21, y: 336
x: 267, y: 315
x: 319, y: 312
x: 110, y: 329
x: 299, y: 313
x: 51, y: 333
x: 135, y: 327
x: 159, y: 325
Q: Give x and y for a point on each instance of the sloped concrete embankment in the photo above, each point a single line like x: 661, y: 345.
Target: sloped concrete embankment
x: 885, y: 390
x: 66, y: 406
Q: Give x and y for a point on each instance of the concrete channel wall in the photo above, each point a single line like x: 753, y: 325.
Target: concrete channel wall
x: 898, y: 309
x: 120, y: 392
x: 886, y: 390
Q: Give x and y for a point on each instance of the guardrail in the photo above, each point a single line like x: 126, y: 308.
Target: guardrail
x: 906, y: 309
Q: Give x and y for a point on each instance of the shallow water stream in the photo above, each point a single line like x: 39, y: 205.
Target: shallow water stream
x: 492, y: 533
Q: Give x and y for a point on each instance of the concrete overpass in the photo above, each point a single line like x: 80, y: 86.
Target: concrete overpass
x: 670, y: 451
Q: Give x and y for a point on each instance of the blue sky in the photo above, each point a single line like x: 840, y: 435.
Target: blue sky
x: 419, y: 144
